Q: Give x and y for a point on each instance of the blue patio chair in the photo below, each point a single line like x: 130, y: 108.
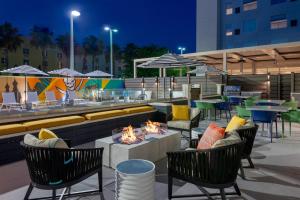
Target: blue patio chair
x: 267, y: 117
x: 234, y: 101
x: 224, y: 106
x: 193, y: 104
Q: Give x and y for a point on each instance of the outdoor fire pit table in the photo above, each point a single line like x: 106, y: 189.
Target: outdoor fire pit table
x: 153, y: 148
x: 135, y: 180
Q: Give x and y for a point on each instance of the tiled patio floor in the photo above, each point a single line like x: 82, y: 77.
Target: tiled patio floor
x: 276, y: 176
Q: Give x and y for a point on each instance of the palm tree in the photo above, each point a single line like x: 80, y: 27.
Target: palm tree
x: 10, y: 39
x: 42, y: 37
x: 93, y: 46
x: 63, y: 42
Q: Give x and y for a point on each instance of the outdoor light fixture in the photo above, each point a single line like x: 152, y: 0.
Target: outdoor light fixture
x: 111, y: 31
x: 74, y: 13
x: 181, y: 49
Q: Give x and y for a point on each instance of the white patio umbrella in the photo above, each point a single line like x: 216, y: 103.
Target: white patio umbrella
x: 98, y: 73
x: 169, y: 61
x: 205, y: 69
x: 25, y: 70
x: 66, y: 72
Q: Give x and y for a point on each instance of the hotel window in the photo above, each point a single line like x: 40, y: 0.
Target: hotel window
x: 278, y: 22
x: 228, y: 29
x: 3, y: 60
x: 273, y: 2
x: 25, y: 62
x: 237, y: 10
x: 229, y: 11
x: 237, y: 31
x: 294, y: 22
x: 25, y: 51
x: 249, y: 26
x: 249, y: 5
x: 59, y: 55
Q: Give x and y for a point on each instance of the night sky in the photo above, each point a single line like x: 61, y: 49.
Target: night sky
x: 167, y: 23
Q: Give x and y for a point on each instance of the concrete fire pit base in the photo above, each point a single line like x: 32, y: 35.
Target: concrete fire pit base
x: 154, y: 148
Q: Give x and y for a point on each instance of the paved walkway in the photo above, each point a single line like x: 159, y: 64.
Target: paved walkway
x: 276, y: 175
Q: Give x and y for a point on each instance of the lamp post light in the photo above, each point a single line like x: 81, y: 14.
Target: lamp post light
x: 111, y: 31
x: 74, y: 13
x: 181, y: 49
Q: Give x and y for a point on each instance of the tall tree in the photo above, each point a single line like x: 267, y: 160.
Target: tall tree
x: 63, y: 42
x: 41, y: 37
x: 10, y: 39
x: 93, y: 46
x: 132, y: 52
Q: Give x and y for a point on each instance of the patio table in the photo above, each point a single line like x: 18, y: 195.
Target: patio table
x: 273, y: 101
x: 279, y: 109
x: 211, y: 112
x: 240, y: 97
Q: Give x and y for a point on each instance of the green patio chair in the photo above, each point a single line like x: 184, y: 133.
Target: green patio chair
x: 292, y: 116
x: 225, y: 98
x: 291, y: 104
x: 249, y: 102
x: 243, y: 112
x: 205, y: 107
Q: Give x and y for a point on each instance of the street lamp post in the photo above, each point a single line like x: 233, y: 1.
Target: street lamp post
x: 181, y: 49
x: 74, y: 13
x: 111, y: 31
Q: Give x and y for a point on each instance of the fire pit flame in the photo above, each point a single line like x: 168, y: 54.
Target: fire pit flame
x: 128, y: 135
x: 152, y: 127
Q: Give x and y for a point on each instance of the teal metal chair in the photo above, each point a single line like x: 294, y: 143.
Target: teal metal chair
x: 292, y: 116
x: 243, y: 112
x: 205, y: 107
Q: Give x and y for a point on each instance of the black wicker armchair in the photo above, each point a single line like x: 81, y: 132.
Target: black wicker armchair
x: 52, y: 169
x: 213, y: 168
x: 248, y: 135
x: 185, y: 125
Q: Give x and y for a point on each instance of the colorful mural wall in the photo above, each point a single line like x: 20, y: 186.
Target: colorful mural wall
x: 84, y: 87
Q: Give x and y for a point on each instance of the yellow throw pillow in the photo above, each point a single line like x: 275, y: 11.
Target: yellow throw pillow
x: 180, y: 112
x: 46, y: 134
x: 235, y: 123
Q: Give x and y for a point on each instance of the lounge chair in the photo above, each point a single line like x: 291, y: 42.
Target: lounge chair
x: 73, y: 98
x: 9, y: 101
x: 50, y: 98
x: 32, y: 98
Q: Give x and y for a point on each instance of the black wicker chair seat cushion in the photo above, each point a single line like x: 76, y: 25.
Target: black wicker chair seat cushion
x: 212, y: 167
x: 60, y: 167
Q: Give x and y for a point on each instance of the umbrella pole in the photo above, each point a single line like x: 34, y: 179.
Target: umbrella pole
x: 25, y: 90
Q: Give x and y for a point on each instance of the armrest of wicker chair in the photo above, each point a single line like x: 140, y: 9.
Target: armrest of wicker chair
x: 206, y: 166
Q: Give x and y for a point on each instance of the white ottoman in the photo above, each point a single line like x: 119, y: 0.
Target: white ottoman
x: 135, y: 180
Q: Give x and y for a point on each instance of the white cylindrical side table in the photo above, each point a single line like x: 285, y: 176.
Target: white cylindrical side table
x: 135, y: 180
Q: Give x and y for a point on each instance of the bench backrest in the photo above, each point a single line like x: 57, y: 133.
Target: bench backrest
x: 32, y: 97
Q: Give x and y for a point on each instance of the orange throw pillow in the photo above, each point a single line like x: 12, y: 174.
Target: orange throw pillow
x: 212, y: 134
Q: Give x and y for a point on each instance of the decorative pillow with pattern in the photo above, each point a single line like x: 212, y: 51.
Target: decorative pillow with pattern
x: 212, y: 134
x: 233, y: 138
x: 48, y: 143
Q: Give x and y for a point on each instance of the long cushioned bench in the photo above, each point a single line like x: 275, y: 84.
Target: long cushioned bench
x: 104, y: 114
x: 61, y: 121
x: 52, y: 122
x: 12, y: 128
x: 138, y: 109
